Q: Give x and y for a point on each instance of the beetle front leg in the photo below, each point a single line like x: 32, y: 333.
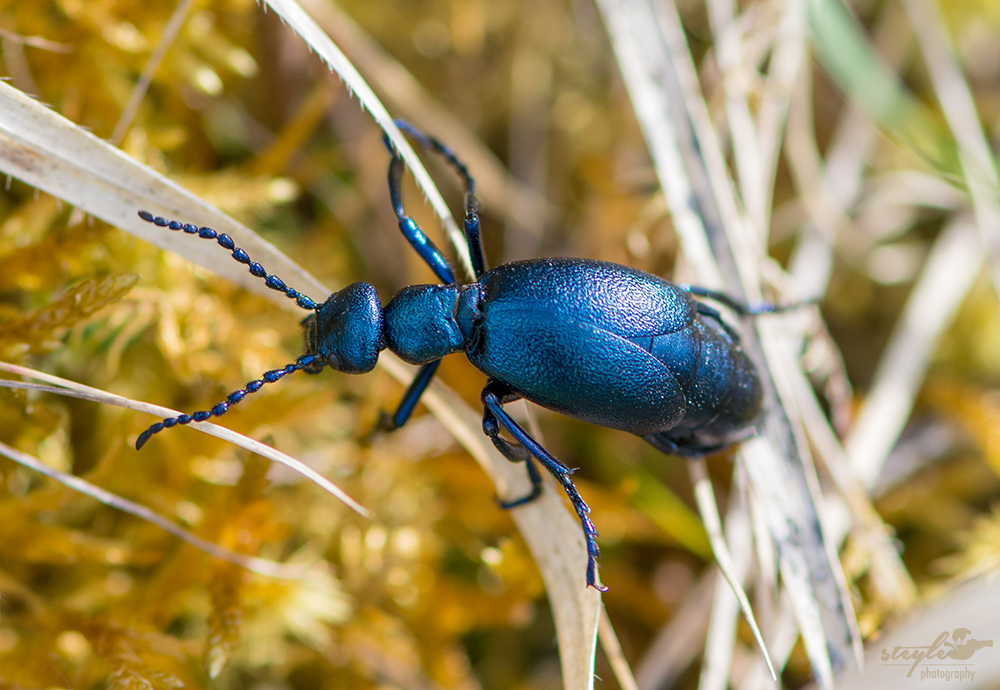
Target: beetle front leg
x: 495, y: 395
x: 471, y: 220
x: 410, y: 398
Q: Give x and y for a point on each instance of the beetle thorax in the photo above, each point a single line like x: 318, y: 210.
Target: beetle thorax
x: 426, y: 322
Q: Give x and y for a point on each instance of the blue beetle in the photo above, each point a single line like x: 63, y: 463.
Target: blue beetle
x: 601, y: 342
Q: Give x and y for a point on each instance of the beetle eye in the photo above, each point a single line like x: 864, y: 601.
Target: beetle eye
x: 334, y: 363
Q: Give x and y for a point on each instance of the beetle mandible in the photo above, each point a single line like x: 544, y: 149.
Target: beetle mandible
x: 601, y: 342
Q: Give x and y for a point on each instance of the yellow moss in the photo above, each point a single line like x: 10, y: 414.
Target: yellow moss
x: 39, y: 331
x: 436, y: 589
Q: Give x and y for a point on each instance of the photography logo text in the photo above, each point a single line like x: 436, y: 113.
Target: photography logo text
x: 944, y: 659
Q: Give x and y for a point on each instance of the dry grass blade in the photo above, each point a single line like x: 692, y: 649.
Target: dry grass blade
x: 624, y: 19
x: 496, y: 188
x: 953, y: 265
x: 138, y: 93
x: 978, y: 162
x: 613, y: 649
x: 851, y: 60
x: 887, y: 571
x: 709, y: 510
x: 662, y: 81
x: 94, y: 395
x: 47, y: 151
x: 678, y: 643
x: 831, y: 187
x: 756, y: 137
x: 297, y: 18
x: 261, y: 566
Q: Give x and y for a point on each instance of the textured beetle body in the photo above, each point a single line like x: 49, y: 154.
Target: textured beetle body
x: 616, y: 347
x: 597, y: 341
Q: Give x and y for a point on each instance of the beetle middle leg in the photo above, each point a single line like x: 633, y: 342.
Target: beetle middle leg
x: 741, y: 308
x: 515, y: 452
x: 495, y: 395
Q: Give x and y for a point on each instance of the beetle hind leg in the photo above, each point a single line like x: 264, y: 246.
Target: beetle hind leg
x: 693, y: 447
x: 515, y: 452
x: 495, y: 395
x: 708, y: 312
x: 536, y: 486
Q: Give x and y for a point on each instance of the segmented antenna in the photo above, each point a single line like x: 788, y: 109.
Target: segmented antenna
x: 226, y: 242
x: 308, y: 362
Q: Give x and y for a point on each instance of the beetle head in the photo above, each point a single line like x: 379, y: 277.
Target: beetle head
x: 346, y: 330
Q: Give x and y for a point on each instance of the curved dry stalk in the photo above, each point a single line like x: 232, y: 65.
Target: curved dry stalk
x: 663, y: 84
x: 552, y: 533
x: 77, y: 390
x: 296, y: 17
x: 734, y: 570
x: 616, y: 657
x: 953, y: 265
x: 261, y: 566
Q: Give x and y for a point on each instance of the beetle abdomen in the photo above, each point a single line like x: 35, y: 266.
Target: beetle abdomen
x: 725, y: 395
x: 679, y: 351
x: 612, y: 346
x: 716, y: 381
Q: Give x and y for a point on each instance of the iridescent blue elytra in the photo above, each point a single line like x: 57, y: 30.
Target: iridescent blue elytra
x: 597, y: 341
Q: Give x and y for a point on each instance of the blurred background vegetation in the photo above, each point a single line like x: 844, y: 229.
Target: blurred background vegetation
x: 437, y: 589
